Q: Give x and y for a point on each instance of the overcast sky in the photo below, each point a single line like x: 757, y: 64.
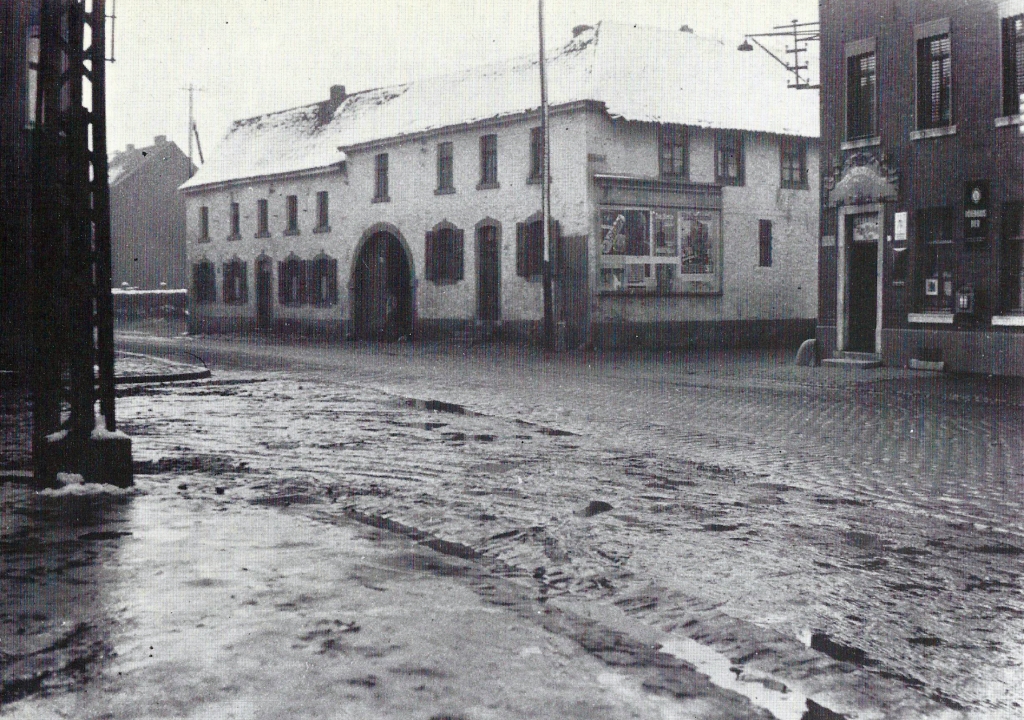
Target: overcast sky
x: 247, y: 57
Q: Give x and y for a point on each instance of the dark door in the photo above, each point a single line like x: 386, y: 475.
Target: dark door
x: 863, y: 295
x: 264, y: 299
x: 574, y: 287
x: 383, y: 290
x: 488, y: 288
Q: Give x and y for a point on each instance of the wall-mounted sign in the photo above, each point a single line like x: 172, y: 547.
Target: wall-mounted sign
x: 899, y: 227
x: 976, y: 209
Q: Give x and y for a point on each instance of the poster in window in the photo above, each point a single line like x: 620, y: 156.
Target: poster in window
x: 613, y: 278
x: 664, y: 224
x: 625, y: 232
x: 696, y: 257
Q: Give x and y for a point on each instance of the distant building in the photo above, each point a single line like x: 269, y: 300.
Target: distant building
x: 147, y: 216
x: 684, y: 178
x: 923, y: 199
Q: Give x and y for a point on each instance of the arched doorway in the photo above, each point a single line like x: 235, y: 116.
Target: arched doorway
x: 382, y: 289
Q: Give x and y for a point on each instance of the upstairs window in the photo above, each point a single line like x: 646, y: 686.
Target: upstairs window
x: 794, y: 164
x: 322, y: 286
x: 861, y: 97
x: 488, y: 161
x: 1013, y: 64
x: 291, y: 281
x: 729, y: 158
x: 236, y: 221
x: 236, y: 282
x: 445, y: 168
x: 444, y: 254
x: 673, y: 155
x: 934, y: 82
x: 262, y: 218
x: 380, y: 180
x: 291, y: 205
x: 764, y: 243
x: 322, y: 216
x: 204, y: 224
x: 536, y: 153
x: 204, y: 283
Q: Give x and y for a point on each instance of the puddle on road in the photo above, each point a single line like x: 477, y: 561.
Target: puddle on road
x: 438, y: 406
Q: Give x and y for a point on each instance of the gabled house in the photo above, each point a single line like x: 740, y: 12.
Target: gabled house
x: 147, y: 215
x: 684, y: 178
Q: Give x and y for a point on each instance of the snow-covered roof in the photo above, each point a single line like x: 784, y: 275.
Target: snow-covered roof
x: 637, y: 73
x: 124, y: 164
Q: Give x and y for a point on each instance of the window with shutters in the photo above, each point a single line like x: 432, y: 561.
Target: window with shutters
x: 291, y: 206
x: 323, y: 223
x: 380, y: 178
x: 764, y: 243
x: 322, y: 288
x: 235, y: 282
x: 445, y: 168
x: 934, y: 82
x: 262, y: 218
x: 530, y: 248
x: 729, y: 168
x: 204, y: 283
x: 444, y: 254
x: 236, y: 222
x: 488, y: 162
x: 204, y: 224
x: 1013, y: 64
x: 291, y: 281
x: 673, y: 155
x: 861, y: 97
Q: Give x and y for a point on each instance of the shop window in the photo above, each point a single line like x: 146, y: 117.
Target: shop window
x: 935, y: 238
x: 322, y: 214
x: 900, y: 265
x: 204, y: 224
x: 1011, y: 281
x: 861, y: 97
x: 530, y: 249
x: 235, y: 283
x: 322, y: 287
x: 291, y: 206
x: 673, y: 151
x: 445, y: 168
x: 380, y: 178
x: 536, y: 153
x: 204, y: 283
x: 488, y: 161
x: 291, y: 281
x: 1013, y: 64
x: 729, y: 168
x: 262, y: 218
x: 764, y: 243
x: 444, y: 254
x: 236, y: 222
x: 934, y: 82
x: 794, y: 164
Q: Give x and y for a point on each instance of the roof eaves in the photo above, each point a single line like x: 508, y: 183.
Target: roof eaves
x: 287, y: 175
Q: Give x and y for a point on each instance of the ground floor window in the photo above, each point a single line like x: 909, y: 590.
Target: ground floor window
x: 530, y: 249
x: 291, y: 281
x: 660, y: 250
x: 323, y: 281
x: 1011, y: 280
x: 204, y: 282
x: 235, y: 282
x: 935, y: 238
x: 444, y: 254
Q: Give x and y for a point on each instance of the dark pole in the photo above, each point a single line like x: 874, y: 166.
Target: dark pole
x: 549, y: 320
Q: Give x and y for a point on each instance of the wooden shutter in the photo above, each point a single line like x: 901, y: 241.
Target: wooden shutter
x: 332, y: 281
x: 243, y: 285
x: 924, y: 85
x: 301, y: 266
x: 429, y: 259
x: 521, y: 269
x: 282, y: 283
x: 459, y: 239
x: 225, y: 289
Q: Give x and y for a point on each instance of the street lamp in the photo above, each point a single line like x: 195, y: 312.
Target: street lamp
x: 801, y: 34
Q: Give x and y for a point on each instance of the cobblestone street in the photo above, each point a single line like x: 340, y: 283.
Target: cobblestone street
x: 857, y: 536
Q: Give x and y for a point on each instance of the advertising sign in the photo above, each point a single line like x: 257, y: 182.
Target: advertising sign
x: 976, y: 210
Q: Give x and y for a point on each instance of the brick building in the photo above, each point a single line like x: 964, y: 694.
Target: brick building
x: 147, y: 215
x: 923, y: 198
x: 683, y: 195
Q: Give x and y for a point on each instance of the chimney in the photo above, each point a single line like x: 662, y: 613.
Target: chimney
x: 326, y: 110
x: 129, y: 147
x: 580, y: 29
x: 159, y: 139
x: 337, y: 95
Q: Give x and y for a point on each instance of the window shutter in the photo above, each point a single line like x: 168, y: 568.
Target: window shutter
x: 1011, y: 102
x: 282, y: 284
x: 924, y: 85
x: 521, y: 250
x: 312, y: 273
x: 332, y: 282
x: 244, y: 284
x: 429, y: 259
x: 301, y: 266
x: 225, y: 289
x: 457, y: 270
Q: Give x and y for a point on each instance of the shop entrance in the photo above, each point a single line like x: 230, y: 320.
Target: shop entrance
x: 382, y: 289
x: 862, y: 238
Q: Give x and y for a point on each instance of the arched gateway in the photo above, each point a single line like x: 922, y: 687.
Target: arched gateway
x: 382, y: 306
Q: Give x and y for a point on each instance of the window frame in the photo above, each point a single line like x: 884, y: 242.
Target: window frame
x: 204, y: 282
x: 720, y: 146
x: 1013, y: 63
x: 669, y: 138
x: 262, y: 218
x: 322, y: 267
x: 235, y: 221
x: 380, y: 178
x: 765, y: 242
x: 235, y: 282
x: 793, y: 147
x: 926, y: 90
x: 859, y: 108
x: 488, y: 162
x: 536, y: 154
x: 444, y: 254
x: 323, y: 219
x: 204, y: 223
x: 445, y: 168
x: 292, y: 275
x: 935, y: 233
x: 291, y: 204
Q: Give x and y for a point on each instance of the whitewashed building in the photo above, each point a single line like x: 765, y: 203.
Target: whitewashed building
x: 684, y: 177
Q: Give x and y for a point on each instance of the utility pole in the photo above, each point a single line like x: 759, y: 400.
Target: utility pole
x: 549, y: 320
x: 191, y: 124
